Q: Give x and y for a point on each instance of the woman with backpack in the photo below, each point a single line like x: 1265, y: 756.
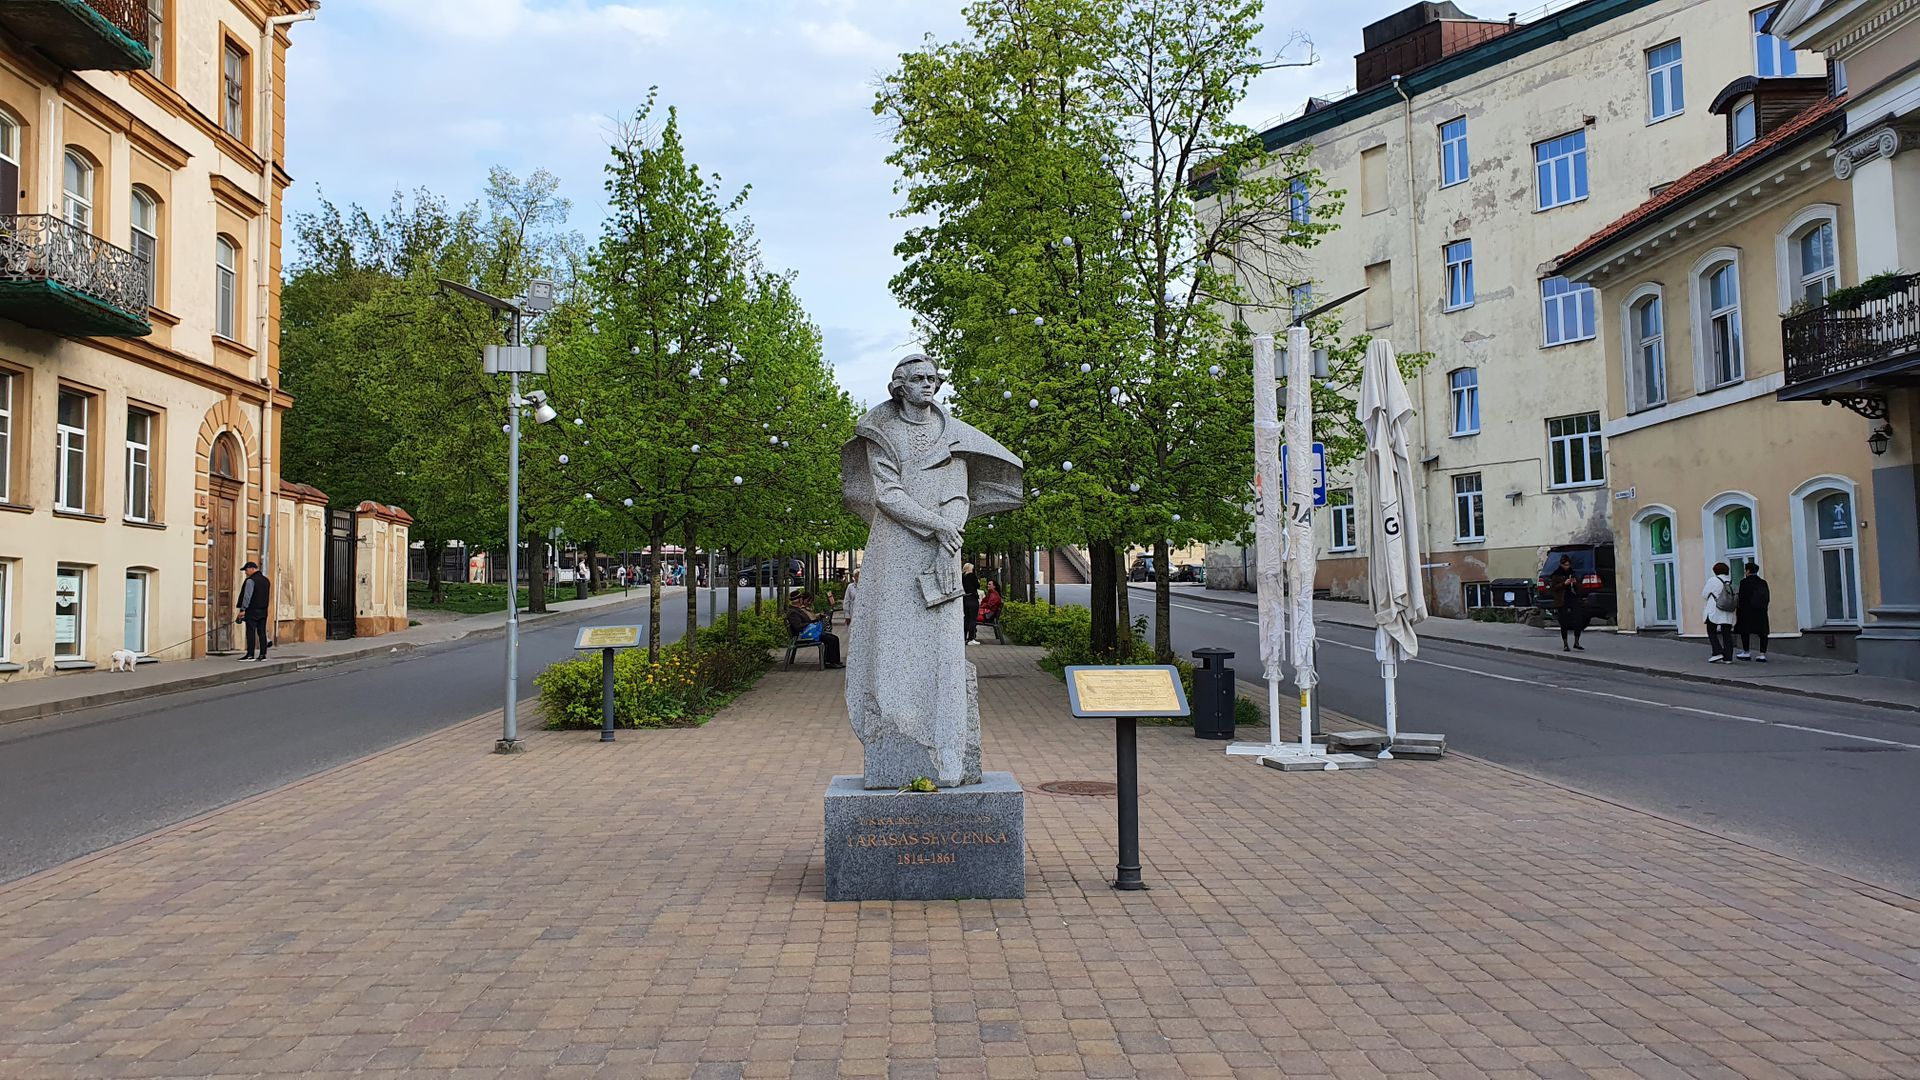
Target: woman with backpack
x: 1750, y: 615
x: 1722, y: 603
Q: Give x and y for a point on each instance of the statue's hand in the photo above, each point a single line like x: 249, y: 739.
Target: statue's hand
x: 949, y: 538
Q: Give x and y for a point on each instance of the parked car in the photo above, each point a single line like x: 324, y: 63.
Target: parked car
x: 1593, y: 563
x: 768, y: 573
x: 1190, y: 573
x: 1142, y: 569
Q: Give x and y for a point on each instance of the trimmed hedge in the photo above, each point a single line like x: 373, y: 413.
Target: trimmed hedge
x: 674, y: 691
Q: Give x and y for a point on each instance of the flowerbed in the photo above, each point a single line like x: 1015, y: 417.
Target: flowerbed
x: 674, y: 691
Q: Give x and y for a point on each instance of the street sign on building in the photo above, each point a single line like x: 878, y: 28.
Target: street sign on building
x: 1319, y: 474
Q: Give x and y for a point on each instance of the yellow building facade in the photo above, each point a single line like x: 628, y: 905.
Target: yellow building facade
x: 141, y: 180
x: 1708, y: 464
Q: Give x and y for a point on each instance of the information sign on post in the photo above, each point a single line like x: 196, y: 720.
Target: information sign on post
x: 1319, y: 474
x: 608, y: 639
x: 1126, y: 693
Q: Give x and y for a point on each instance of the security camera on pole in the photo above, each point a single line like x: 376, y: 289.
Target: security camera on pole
x: 514, y: 360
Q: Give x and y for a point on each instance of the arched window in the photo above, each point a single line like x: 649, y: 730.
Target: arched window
x: 1646, y: 338
x: 9, y: 163
x: 1659, y: 580
x: 1731, y: 533
x: 145, y: 218
x: 226, y: 287
x: 76, y: 204
x: 1719, y: 352
x: 224, y: 460
x: 1827, y: 550
x: 1808, y: 257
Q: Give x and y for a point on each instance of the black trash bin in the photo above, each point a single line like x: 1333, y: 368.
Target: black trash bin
x: 580, y: 586
x: 1512, y: 592
x: 1213, y: 695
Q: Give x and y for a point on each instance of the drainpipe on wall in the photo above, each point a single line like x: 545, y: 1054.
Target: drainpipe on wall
x: 262, y: 263
x: 1419, y: 330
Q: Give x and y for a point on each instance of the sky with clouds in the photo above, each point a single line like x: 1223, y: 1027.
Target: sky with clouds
x: 389, y: 95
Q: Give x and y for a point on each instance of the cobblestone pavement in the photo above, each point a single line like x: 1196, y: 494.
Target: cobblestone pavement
x: 653, y: 908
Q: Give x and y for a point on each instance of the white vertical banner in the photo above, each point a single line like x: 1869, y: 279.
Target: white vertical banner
x: 1299, y: 510
x: 1269, y: 527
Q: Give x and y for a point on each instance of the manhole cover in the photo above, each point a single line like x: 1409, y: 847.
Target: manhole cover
x: 1093, y: 788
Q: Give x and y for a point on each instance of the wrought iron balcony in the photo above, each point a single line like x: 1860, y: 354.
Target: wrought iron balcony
x: 83, y: 35
x: 59, y: 277
x: 1839, y: 352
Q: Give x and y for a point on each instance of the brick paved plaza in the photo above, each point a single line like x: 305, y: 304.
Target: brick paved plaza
x: 653, y: 908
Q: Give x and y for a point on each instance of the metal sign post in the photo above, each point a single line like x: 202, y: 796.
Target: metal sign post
x: 1127, y: 693
x: 608, y: 639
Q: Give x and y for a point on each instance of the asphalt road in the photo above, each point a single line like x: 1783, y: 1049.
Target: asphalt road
x: 74, y: 784
x: 1832, y: 784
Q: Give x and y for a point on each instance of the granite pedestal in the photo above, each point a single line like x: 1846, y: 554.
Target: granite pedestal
x: 963, y: 843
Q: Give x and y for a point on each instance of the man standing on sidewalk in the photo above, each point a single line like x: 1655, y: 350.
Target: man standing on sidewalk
x: 1750, y: 617
x: 256, y: 600
x: 1721, y: 604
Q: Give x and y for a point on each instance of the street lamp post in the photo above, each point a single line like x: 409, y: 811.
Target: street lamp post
x: 515, y: 359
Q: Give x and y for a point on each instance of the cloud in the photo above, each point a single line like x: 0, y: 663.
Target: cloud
x: 400, y: 94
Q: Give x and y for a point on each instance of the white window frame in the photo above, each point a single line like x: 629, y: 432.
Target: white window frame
x: 1769, y: 51
x: 1300, y: 299
x: 143, y: 205
x: 9, y: 388
x: 145, y: 624
x: 140, y: 466
x: 1808, y: 549
x: 76, y: 202
x: 1715, y: 547
x: 9, y: 138
x: 1459, y: 394
x: 1454, y: 159
x: 226, y: 287
x: 69, y: 441
x: 79, y: 644
x: 6, y: 610
x: 1585, y: 443
x: 1343, y: 522
x: 1546, y: 179
x: 1468, y: 505
x: 1791, y: 274
x: 233, y: 91
x: 1575, y: 298
x: 1640, y: 395
x: 1748, y: 111
x: 1299, y: 201
x: 157, y: 38
x: 1704, y: 315
x: 1666, y: 83
x: 1647, y: 567
x: 1469, y: 590
x: 1459, y: 274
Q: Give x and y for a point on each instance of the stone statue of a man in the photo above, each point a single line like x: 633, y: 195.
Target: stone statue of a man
x: 916, y: 475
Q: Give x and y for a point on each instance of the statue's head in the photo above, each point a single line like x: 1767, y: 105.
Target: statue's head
x: 915, y: 379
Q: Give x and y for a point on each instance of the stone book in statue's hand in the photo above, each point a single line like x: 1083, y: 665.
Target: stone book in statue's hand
x: 937, y: 588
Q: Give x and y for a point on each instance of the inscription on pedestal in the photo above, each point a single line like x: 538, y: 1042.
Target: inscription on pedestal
x: 963, y: 843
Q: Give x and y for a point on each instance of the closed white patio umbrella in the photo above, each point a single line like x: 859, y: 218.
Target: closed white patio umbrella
x: 1393, y: 522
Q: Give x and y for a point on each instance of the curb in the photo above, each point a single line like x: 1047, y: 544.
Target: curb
x: 1688, y: 676
x: 20, y: 713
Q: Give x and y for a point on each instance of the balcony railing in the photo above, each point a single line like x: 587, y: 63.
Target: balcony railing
x: 58, y: 276
x: 83, y: 35
x: 1825, y: 342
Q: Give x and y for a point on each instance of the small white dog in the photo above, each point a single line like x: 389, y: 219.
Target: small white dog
x: 125, y: 660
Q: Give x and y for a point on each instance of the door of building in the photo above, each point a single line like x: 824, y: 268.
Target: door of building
x: 223, y: 563
x: 339, y: 599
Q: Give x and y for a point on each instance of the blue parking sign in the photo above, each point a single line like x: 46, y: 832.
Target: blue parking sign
x: 1319, y: 473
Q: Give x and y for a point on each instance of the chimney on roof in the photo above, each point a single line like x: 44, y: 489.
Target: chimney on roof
x: 1422, y: 34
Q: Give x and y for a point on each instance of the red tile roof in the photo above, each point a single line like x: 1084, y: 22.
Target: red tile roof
x: 1704, y: 177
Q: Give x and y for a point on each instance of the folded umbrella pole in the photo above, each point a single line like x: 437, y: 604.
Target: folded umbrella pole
x: 1393, y: 548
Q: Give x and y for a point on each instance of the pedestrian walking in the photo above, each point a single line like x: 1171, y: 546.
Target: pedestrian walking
x: 846, y: 599
x: 1569, y: 606
x: 970, y: 601
x: 1722, y: 601
x: 1750, y: 615
x: 256, y: 600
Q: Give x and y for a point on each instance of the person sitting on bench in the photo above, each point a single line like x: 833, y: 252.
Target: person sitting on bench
x: 800, y: 616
